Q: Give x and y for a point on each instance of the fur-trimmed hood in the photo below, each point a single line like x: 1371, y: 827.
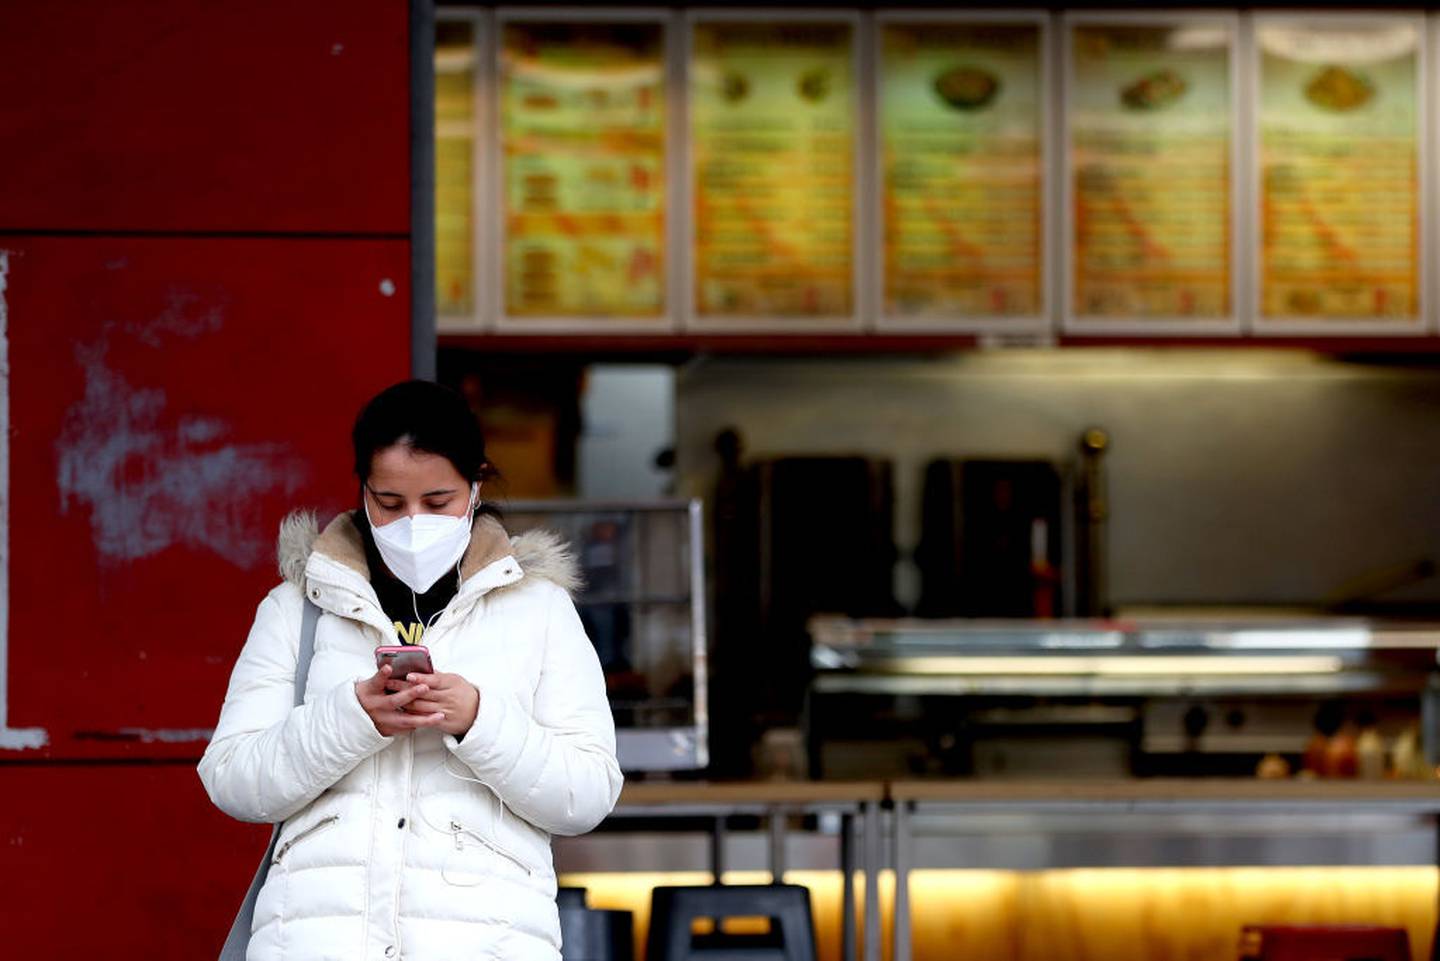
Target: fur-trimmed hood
x: 540, y: 553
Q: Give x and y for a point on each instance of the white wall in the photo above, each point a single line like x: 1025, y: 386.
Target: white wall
x: 1242, y: 476
x: 627, y: 417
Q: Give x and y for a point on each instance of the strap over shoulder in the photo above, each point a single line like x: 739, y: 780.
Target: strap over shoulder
x: 238, y: 940
x: 309, y: 617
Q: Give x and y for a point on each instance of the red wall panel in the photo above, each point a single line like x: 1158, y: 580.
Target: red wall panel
x: 119, y: 861
x: 168, y: 395
x: 170, y: 400
x: 175, y: 115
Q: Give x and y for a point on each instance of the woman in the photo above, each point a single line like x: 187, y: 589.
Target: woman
x: 417, y: 811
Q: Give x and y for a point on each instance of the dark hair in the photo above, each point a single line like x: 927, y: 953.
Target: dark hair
x: 423, y: 416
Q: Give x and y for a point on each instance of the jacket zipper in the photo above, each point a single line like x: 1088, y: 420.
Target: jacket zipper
x: 457, y: 829
x: 315, y: 828
x: 404, y: 834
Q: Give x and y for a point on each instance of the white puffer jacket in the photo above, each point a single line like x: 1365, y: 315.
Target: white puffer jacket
x: 418, y: 846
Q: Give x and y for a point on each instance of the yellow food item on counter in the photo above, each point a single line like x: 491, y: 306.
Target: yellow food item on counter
x: 1272, y: 767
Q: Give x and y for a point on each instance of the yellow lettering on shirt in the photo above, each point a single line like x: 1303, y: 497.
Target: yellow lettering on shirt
x: 409, y: 633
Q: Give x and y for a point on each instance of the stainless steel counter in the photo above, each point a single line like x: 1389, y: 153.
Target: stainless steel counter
x: 1160, y: 823
x: 1140, y: 697
x: 1155, y: 655
x: 1018, y: 825
x: 853, y: 806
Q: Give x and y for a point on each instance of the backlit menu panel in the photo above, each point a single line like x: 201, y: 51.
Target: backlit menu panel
x: 1339, y: 167
x: 961, y: 127
x: 1150, y: 157
x: 583, y: 126
x: 455, y: 65
x: 773, y: 115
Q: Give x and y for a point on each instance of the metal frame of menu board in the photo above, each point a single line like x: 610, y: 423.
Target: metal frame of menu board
x: 478, y: 317
x: 685, y: 747
x: 494, y: 273
x: 1038, y: 323
x: 861, y: 235
x: 1073, y: 323
x: 1279, y: 326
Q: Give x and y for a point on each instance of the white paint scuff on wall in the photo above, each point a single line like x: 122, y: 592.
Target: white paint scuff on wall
x: 187, y: 735
x: 11, y: 738
x: 154, y: 479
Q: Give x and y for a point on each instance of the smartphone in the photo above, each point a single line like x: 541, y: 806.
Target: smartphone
x: 404, y: 659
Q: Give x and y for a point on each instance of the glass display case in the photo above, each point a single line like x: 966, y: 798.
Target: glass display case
x: 643, y: 606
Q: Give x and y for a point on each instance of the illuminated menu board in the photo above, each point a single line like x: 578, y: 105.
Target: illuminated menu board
x: 1149, y: 107
x: 1339, y: 170
x: 961, y: 127
x: 772, y: 134
x: 455, y: 66
x: 582, y: 128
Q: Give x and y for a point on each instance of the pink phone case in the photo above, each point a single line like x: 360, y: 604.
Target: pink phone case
x: 404, y: 659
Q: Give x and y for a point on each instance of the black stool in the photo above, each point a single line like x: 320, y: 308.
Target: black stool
x: 572, y: 899
x: 590, y: 934
x: 673, y: 912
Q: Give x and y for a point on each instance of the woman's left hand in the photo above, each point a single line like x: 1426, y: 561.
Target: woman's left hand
x: 449, y: 694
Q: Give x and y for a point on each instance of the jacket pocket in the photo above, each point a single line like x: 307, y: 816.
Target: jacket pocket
x: 462, y: 870
x: 523, y: 838
x: 304, y: 834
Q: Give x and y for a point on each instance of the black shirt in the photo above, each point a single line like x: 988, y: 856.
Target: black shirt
x: 399, y: 603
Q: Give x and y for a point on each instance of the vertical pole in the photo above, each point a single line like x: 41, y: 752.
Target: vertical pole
x: 776, y: 824
x: 901, y: 950
x: 871, y: 853
x: 422, y: 189
x: 717, y: 849
x: 847, y: 887
x: 1435, y: 931
x: 1430, y: 722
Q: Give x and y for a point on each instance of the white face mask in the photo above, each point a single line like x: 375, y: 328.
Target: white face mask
x: 419, y: 549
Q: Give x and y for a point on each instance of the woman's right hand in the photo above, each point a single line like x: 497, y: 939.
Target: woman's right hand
x: 387, y: 711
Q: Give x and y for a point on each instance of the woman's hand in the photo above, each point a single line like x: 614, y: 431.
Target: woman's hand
x: 455, y: 699
x: 396, y: 713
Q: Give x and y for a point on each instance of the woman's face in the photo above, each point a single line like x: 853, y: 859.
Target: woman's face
x: 404, y: 481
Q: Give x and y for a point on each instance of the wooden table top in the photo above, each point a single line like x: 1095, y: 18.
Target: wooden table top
x: 659, y: 793
x: 648, y: 794
x: 1169, y: 790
